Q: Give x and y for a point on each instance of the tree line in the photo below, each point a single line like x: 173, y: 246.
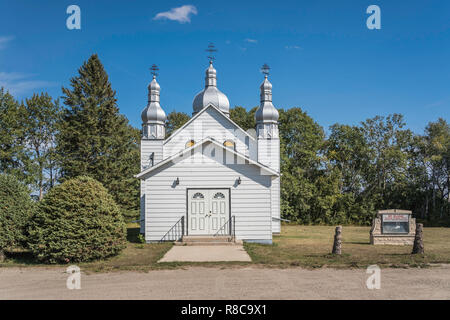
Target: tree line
x: 340, y: 177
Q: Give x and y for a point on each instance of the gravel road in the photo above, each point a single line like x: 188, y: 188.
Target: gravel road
x: 230, y: 283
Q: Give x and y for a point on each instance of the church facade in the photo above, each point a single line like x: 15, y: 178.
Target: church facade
x: 210, y: 177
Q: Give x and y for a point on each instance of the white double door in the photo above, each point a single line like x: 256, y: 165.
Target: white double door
x: 208, y: 210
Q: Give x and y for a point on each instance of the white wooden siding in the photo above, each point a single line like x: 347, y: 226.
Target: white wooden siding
x: 165, y: 202
x: 212, y: 124
x: 275, y: 202
x: 269, y: 155
x: 147, y: 147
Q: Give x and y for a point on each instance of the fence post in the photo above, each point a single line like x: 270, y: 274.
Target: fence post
x: 337, y: 245
x: 418, y: 240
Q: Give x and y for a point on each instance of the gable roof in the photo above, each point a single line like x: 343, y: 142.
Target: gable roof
x: 198, y: 114
x: 200, y: 143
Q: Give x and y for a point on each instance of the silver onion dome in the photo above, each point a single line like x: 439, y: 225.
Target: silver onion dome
x: 153, y: 113
x: 211, y: 94
x: 266, y: 112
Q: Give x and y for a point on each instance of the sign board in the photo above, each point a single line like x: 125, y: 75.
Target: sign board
x: 395, y: 217
x: 395, y: 223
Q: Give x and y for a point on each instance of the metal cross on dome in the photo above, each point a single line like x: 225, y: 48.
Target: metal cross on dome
x: 211, y: 49
x: 265, y: 69
x: 154, y: 70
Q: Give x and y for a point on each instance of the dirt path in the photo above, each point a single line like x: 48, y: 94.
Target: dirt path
x: 215, y: 283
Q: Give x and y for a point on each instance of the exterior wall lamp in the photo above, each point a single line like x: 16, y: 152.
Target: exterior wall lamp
x: 239, y: 180
x: 177, y: 182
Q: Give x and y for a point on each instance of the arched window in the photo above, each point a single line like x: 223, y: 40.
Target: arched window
x: 190, y: 143
x: 229, y: 144
x: 219, y: 195
x: 198, y: 195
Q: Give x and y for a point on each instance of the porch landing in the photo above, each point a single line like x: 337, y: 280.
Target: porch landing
x: 207, y: 253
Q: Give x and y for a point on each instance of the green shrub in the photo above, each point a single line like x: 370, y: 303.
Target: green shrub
x: 77, y: 221
x: 15, y: 211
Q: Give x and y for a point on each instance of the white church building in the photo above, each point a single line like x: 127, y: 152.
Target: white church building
x: 210, y: 177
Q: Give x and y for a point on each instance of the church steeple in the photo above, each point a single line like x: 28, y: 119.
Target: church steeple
x: 153, y: 116
x: 211, y: 76
x: 267, y: 115
x: 211, y: 94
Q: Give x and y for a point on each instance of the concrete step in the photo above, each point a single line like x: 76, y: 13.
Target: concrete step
x: 207, y: 241
x: 199, y: 243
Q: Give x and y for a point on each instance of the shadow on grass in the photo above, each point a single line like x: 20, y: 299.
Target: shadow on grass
x: 133, y: 235
x: 398, y: 254
x: 357, y: 242
x: 21, y: 257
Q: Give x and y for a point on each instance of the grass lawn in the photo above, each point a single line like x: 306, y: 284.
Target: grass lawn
x: 310, y: 246
x: 304, y: 246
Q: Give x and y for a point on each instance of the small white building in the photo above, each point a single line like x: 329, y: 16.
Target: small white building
x: 210, y: 177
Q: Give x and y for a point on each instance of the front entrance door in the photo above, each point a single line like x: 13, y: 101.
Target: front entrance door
x: 208, y: 210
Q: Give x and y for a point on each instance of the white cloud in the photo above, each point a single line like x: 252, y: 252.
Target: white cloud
x: 181, y: 14
x: 19, y: 83
x: 251, y: 40
x: 4, y: 41
x: 293, y: 47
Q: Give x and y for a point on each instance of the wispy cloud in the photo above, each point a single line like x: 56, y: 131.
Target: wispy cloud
x: 293, y: 47
x: 438, y: 103
x: 251, y: 40
x: 20, y: 83
x: 181, y: 14
x: 4, y: 40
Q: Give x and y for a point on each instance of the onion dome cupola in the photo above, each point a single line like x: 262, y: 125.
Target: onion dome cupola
x: 266, y: 116
x: 153, y: 116
x: 211, y: 94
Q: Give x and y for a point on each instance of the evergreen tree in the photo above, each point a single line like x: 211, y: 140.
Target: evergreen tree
x: 76, y: 221
x: 94, y: 139
x: 14, y: 157
x: 16, y: 209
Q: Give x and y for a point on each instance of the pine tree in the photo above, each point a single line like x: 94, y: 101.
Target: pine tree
x: 14, y: 157
x: 95, y: 140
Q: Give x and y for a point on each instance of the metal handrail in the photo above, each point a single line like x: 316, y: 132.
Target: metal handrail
x: 281, y: 219
x: 232, y: 226
x: 176, y: 232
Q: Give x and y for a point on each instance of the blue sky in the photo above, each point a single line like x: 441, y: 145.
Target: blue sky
x: 323, y: 57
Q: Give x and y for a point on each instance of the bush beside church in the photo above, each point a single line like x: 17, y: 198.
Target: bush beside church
x: 15, y: 210
x: 77, y: 221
